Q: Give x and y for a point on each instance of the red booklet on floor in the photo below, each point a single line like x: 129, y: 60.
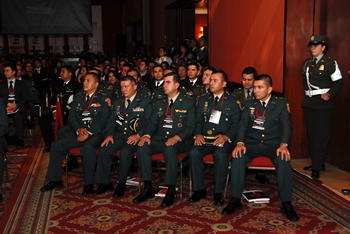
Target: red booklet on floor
x: 134, y: 181
x: 161, y: 191
x: 256, y: 196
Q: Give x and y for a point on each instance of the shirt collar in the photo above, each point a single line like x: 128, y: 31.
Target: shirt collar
x: 266, y: 101
x: 318, y: 58
x: 174, y: 98
x: 132, y: 97
x: 14, y: 81
x: 219, y: 95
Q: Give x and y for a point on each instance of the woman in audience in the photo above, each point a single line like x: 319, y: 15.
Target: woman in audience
x: 162, y: 56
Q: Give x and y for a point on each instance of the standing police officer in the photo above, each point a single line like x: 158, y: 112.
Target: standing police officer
x: 322, y: 81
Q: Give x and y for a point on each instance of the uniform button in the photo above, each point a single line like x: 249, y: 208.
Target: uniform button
x: 167, y: 132
x: 263, y: 135
x: 263, y: 128
x: 262, y: 141
x: 138, y: 115
x: 126, y: 115
x: 213, y: 128
x: 226, y: 113
x: 124, y: 132
x: 125, y: 128
x: 180, y: 115
x: 166, y: 136
x: 126, y: 121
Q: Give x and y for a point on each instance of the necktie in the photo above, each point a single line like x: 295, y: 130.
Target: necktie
x: 64, y: 84
x: 248, y: 95
x: 216, y: 99
x: 264, y: 104
x: 11, y: 89
x: 87, y: 98
x: 157, y: 84
x: 171, y: 103
x: 128, y: 103
x: 313, y: 62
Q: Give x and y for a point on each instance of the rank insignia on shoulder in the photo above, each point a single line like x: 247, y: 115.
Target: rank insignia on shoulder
x: 108, y: 101
x: 239, y: 104
x: 288, y: 107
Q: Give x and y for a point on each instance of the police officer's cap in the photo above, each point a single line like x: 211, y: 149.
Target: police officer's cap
x: 317, y: 39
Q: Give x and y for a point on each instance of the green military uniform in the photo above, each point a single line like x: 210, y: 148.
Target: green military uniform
x: 319, y: 77
x: 265, y: 141
x: 227, y: 126
x: 3, y: 131
x: 92, y: 115
x: 159, y: 93
x: 199, y: 90
x: 183, y: 116
x: 123, y: 123
x: 240, y: 94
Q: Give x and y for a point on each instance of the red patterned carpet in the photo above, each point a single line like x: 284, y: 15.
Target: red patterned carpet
x: 66, y: 211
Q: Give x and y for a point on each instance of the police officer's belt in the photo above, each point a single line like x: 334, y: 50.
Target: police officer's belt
x: 311, y: 93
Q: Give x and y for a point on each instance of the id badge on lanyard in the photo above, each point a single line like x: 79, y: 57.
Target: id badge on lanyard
x: 259, y: 123
x: 215, y: 116
x: 86, y: 115
x: 168, y: 122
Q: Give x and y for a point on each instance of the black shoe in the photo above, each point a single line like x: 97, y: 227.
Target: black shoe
x: 72, y: 164
x: 103, y: 188
x: 46, y: 150
x: 309, y: 168
x: 51, y: 186
x: 1, y: 198
x: 218, y: 199
x: 88, y: 189
x: 262, y: 179
x: 234, y: 205
x: 315, y: 174
x: 119, y: 191
x: 20, y: 143
x: 346, y: 191
x: 288, y: 210
x: 144, y: 196
x: 169, y: 199
x: 197, y: 196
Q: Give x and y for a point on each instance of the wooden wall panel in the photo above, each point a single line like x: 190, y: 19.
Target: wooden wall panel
x: 247, y: 33
x: 112, y: 24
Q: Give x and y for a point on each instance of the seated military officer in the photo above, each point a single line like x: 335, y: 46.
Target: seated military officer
x: 124, y: 127
x: 170, y: 126
x: 87, y: 119
x: 3, y: 131
x: 217, y: 115
x: 265, y: 129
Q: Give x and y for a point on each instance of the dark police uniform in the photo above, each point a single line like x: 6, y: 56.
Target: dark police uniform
x: 183, y: 121
x: 264, y: 140
x: 323, y: 77
x: 94, y: 119
x: 122, y: 124
x: 159, y: 93
x: 3, y: 132
x: 240, y: 94
x: 227, y: 126
x: 63, y: 93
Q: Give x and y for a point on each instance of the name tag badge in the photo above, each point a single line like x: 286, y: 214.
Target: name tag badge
x: 168, y: 123
x: 215, y: 117
x: 259, y: 123
x: 86, y: 115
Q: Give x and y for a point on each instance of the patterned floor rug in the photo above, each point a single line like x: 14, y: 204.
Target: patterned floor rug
x: 66, y: 211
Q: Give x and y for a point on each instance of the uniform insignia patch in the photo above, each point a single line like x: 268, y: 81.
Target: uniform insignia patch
x: 312, y: 38
x: 321, y: 67
x: 179, y: 125
x: 252, y: 109
x: 209, y: 132
x: 288, y: 107
x: 240, y: 106
x: 108, y: 101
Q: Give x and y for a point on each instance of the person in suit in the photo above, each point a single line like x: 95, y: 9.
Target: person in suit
x: 265, y: 129
x: 202, y: 52
x: 192, y: 79
x: 87, y: 120
x: 125, y: 126
x: 64, y: 90
x: 217, y: 115
x: 249, y: 74
x: 170, y: 126
x: 158, y: 78
x: 14, y: 92
x: 144, y: 72
x: 322, y: 81
x: 3, y: 132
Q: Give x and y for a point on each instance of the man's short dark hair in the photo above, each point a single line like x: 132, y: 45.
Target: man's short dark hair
x: 134, y: 70
x: 223, y: 74
x: 175, y: 76
x: 145, y: 61
x: 171, y: 69
x: 193, y: 64
x: 266, y: 78
x: 182, y: 65
x: 209, y: 68
x: 128, y: 65
x: 69, y: 69
x: 250, y: 70
x: 166, y: 63
x: 94, y: 76
x: 158, y: 66
x: 95, y: 69
x: 11, y: 65
x: 130, y: 78
x: 152, y: 62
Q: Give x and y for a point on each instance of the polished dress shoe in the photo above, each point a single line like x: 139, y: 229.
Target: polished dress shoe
x: 146, y: 194
x: 46, y: 150
x: 234, y: 205
x: 309, y: 168
x: 20, y: 143
x: 262, y: 179
x: 119, y: 191
x: 1, y: 198
x: 103, y: 188
x: 88, y: 190
x: 346, y: 191
x: 72, y: 164
x: 197, y: 196
x: 169, y: 199
x: 315, y: 174
x: 51, y: 186
x: 288, y: 210
x: 218, y: 199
